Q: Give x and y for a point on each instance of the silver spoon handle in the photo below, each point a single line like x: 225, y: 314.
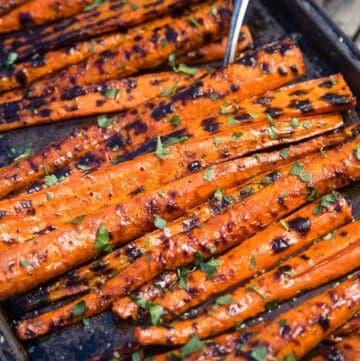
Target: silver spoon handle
x: 237, y: 19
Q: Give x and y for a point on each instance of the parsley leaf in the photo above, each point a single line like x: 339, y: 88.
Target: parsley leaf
x: 357, y: 153
x: 194, y: 22
x: 284, y: 153
x: 259, y: 353
x: 232, y: 121
x: 102, y: 239
x: 297, y: 170
x: 209, y: 268
x: 183, y: 68
x: 175, y: 140
x: 160, y: 152
x: 79, y: 308
x: 218, y: 194
x: 295, y: 123
x: 183, y: 277
x: 77, y: 220
x: 194, y: 344
x: 155, y: 311
x: 172, y: 90
x: 214, y: 96
x: 51, y: 180
x: 257, y: 291
x: 208, y: 175
x: 94, y: 5
x: 112, y: 93
x: 223, y: 300
x: 253, y: 262
x: 103, y: 121
x: 11, y: 58
x: 159, y: 222
x: 288, y: 357
x: 175, y: 120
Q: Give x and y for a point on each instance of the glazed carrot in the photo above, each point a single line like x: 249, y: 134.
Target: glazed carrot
x: 292, y: 277
x: 102, y: 19
x: 145, y: 123
x: 27, y: 72
x: 26, y: 216
x: 318, y: 317
x: 251, y: 109
x: 216, y: 348
x: 8, y: 5
x: 92, y: 100
x: 11, y: 96
x: 216, y: 51
x: 36, y: 12
x: 243, y: 220
x: 151, y: 50
x: 348, y: 349
x: 234, y: 268
x: 97, y: 273
x: 351, y: 326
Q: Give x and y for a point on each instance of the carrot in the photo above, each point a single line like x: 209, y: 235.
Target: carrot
x: 102, y: 19
x: 153, y: 117
x: 348, y: 349
x: 216, y: 348
x: 149, y: 51
x: 8, y: 5
x: 26, y: 216
x: 257, y: 251
x: 104, y: 154
x: 29, y: 71
x: 216, y: 51
x: 351, y: 326
x: 291, y: 277
x: 243, y: 220
x: 91, y: 100
x: 37, y: 12
x: 317, y: 318
x: 97, y: 273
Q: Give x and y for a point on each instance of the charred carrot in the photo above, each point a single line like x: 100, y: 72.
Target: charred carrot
x: 102, y: 19
x: 116, y: 184
x: 348, y: 349
x: 151, y: 50
x: 318, y: 317
x: 292, y: 277
x: 27, y: 72
x: 37, y: 12
x: 104, y: 154
x: 338, y: 169
x: 351, y: 326
x: 92, y: 100
x: 98, y: 272
x: 8, y: 5
x: 153, y: 118
x: 256, y: 254
x: 215, y: 51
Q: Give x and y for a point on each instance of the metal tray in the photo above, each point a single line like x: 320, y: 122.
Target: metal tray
x: 326, y: 50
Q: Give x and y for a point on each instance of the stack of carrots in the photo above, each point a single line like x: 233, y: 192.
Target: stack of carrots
x: 194, y: 185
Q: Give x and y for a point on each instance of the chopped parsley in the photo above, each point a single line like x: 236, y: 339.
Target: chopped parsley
x: 172, y: 90
x: 223, y: 300
x: 11, y: 58
x: 175, y: 120
x: 102, y: 239
x: 77, y: 220
x: 209, y: 174
x: 112, y: 93
x: 214, y: 96
x: 160, y: 150
x: 295, y: 123
x: 103, y: 121
x: 155, y: 311
x: 209, y: 268
x: 159, y: 222
x: 259, y: 353
x: 357, y: 153
x: 298, y: 170
x: 194, y: 22
x: 232, y: 121
x: 252, y: 262
x: 284, y: 153
x: 79, y: 308
x: 257, y: 291
x: 51, y: 180
x: 182, y: 274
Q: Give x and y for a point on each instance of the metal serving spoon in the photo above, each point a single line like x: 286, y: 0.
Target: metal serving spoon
x: 237, y: 19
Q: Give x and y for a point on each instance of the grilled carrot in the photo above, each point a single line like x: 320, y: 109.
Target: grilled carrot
x: 37, y: 12
x: 258, y: 251
x: 102, y: 19
x: 216, y: 51
x: 153, y: 118
x: 91, y: 100
x: 243, y: 220
x: 27, y: 72
x: 216, y: 348
x: 291, y: 277
x: 104, y: 154
x: 348, y: 349
x: 151, y: 50
x: 34, y: 213
x: 317, y: 318
x: 91, y: 276
x: 8, y: 5
x: 351, y: 326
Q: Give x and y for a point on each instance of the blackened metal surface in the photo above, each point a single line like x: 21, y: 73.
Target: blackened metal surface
x: 268, y: 21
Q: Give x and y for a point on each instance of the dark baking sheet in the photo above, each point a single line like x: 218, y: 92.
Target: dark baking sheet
x: 326, y: 51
